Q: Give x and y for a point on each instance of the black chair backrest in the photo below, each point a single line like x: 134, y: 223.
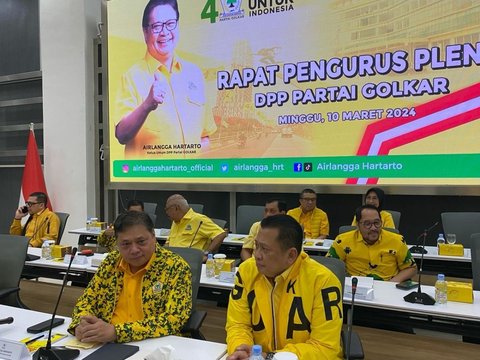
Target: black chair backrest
x: 220, y: 222
x: 475, y: 248
x: 345, y: 228
x: 198, y: 208
x: 194, y: 258
x: 396, y: 215
x: 63, y: 222
x: 462, y: 224
x: 150, y: 208
x: 246, y: 216
x: 336, y: 266
x: 12, y: 259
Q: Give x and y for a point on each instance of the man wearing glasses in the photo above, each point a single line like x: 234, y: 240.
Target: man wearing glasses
x: 42, y: 224
x: 313, y: 220
x: 371, y: 251
x: 140, y: 291
x: 162, y: 108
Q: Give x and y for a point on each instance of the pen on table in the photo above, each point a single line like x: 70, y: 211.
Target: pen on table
x: 32, y: 340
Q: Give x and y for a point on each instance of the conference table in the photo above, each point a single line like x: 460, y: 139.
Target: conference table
x: 184, y: 347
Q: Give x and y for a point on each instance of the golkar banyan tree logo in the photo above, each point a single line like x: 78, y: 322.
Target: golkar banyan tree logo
x: 232, y: 9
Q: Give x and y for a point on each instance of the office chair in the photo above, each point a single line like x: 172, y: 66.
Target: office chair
x: 12, y: 260
x: 63, y: 222
x: 220, y: 222
x: 194, y: 258
x: 246, y: 216
x: 198, y: 208
x: 338, y: 268
x: 150, y: 208
x: 463, y: 224
x: 475, y: 248
x: 396, y: 217
x: 392, y: 230
x: 345, y: 228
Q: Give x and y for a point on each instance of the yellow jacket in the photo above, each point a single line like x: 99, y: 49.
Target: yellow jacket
x: 42, y: 225
x: 166, y: 297
x: 307, y: 310
x: 318, y: 223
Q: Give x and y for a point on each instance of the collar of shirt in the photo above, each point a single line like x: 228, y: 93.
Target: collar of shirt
x: 154, y: 64
x: 125, y: 267
x: 188, y: 215
x: 39, y: 213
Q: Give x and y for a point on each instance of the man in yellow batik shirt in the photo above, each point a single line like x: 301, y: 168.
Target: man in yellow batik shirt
x: 372, y: 251
x: 140, y: 291
x: 162, y: 105
x: 313, y: 220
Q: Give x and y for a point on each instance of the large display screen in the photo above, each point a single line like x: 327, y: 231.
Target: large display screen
x: 294, y: 91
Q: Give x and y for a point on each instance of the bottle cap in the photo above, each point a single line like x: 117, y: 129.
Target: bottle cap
x: 441, y: 277
x: 256, y: 350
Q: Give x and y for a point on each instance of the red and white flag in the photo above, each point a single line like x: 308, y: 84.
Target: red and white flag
x: 32, y: 180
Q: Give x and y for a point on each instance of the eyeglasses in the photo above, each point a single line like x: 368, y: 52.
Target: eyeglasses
x: 169, y: 207
x: 30, y: 203
x: 157, y: 28
x: 369, y: 224
x: 309, y: 199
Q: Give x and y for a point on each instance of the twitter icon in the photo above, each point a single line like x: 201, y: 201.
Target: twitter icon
x: 224, y: 168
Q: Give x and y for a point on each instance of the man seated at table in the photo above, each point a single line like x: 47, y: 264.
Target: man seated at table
x: 313, y: 220
x: 283, y: 299
x: 140, y: 291
x: 272, y: 207
x: 190, y: 229
x: 371, y: 251
x: 42, y: 224
x: 107, y: 237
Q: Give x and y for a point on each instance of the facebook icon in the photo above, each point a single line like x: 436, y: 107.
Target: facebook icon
x: 297, y: 167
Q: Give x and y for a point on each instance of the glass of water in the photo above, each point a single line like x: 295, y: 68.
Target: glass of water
x: 451, y: 238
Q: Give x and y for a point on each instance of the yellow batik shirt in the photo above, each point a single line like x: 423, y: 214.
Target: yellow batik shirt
x: 382, y: 260
x: 166, y: 296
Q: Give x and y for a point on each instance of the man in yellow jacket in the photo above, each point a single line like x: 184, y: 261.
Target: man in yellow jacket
x: 283, y: 299
x: 42, y: 224
x: 313, y: 220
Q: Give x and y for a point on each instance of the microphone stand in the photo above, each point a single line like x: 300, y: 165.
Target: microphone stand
x: 56, y: 353
x: 350, y: 319
x: 417, y: 249
x: 418, y: 297
x: 196, y: 232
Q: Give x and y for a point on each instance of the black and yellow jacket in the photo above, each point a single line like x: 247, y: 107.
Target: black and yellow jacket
x: 166, y: 297
x: 302, y: 313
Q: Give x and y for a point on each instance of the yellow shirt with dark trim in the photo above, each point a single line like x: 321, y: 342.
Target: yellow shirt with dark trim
x: 182, y: 118
x: 314, y: 223
x: 129, y: 304
x: 385, y: 216
x: 249, y: 242
x: 183, y: 232
x: 307, y: 310
x: 382, y: 260
x: 43, y: 225
x: 166, y: 297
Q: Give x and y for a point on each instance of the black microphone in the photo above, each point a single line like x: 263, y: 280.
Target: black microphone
x: 47, y: 352
x: 417, y: 249
x: 195, y: 235
x: 350, y: 318
x: 8, y: 320
x: 417, y: 297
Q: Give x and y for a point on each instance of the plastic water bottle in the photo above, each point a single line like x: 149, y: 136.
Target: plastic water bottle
x: 46, y: 250
x: 256, y: 353
x: 210, y: 266
x: 441, y: 290
x: 440, y: 239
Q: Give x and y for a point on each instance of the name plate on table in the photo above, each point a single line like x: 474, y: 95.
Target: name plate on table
x: 364, y: 288
x: 13, y: 350
x: 227, y: 277
x: 77, y: 260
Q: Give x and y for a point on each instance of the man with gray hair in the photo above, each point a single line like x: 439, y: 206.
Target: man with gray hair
x: 190, y: 229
